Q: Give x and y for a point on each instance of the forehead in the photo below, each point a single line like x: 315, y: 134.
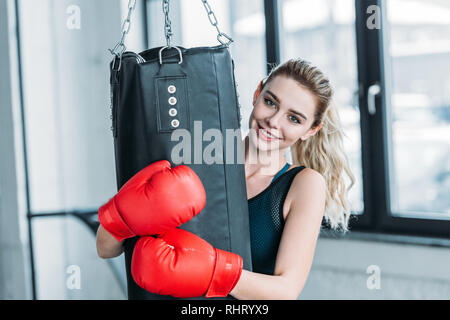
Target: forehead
x: 292, y: 94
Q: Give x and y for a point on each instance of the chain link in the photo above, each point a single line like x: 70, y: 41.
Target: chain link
x: 214, y: 22
x: 120, y: 48
x: 168, y: 24
x: 223, y: 38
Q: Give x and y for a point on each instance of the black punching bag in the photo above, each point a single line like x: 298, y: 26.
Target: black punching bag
x: 165, y: 101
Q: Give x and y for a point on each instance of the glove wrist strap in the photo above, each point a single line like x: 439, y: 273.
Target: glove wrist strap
x: 227, y: 272
x: 112, y: 221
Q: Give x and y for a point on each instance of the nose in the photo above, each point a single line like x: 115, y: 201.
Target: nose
x: 274, y: 120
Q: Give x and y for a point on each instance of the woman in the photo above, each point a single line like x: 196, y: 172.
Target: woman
x: 292, y: 110
x: 287, y: 203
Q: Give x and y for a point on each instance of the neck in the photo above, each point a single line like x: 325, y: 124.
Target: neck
x: 259, y: 162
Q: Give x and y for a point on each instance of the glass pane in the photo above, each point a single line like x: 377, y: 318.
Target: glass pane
x: 243, y: 21
x: 418, y: 55
x: 323, y: 32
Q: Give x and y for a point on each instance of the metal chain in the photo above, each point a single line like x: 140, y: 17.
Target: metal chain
x: 168, y: 23
x: 213, y: 20
x: 118, y: 51
x: 120, y: 48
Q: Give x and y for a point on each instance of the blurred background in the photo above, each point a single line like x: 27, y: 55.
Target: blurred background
x: 389, y: 62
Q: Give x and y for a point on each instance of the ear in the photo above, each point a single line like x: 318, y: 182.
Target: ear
x: 312, y: 132
x: 258, y: 92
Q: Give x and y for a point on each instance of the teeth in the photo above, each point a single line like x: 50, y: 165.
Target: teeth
x: 266, y: 133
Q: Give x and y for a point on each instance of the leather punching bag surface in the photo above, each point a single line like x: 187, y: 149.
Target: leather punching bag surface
x: 158, y: 110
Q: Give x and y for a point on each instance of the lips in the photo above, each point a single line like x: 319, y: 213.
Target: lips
x: 266, y: 134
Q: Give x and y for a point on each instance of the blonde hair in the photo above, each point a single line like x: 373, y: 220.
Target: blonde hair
x: 323, y: 152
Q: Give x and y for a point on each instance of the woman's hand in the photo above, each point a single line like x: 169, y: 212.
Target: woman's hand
x: 107, y: 246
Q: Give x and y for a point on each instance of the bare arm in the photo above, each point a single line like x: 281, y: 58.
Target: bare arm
x: 107, y: 246
x: 297, y: 246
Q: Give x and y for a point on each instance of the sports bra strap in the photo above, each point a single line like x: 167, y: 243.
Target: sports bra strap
x: 282, y: 171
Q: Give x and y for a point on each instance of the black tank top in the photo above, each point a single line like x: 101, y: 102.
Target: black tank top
x: 267, y: 221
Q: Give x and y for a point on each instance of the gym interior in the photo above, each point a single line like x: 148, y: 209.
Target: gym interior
x: 388, y: 61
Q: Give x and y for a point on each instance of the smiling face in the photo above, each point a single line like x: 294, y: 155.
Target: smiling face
x: 283, y: 113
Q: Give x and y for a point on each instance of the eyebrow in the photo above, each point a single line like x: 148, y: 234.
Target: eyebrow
x: 291, y: 110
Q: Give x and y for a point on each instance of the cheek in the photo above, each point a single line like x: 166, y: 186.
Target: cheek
x: 261, y: 112
x: 293, y: 133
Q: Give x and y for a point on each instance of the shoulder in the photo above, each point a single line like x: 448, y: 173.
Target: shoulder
x: 307, y: 191
x: 307, y: 177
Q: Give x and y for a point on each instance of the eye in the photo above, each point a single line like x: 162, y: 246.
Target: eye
x: 269, y: 102
x: 295, y: 119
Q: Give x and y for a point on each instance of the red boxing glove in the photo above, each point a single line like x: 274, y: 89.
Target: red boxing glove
x: 183, y: 265
x: 156, y: 199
